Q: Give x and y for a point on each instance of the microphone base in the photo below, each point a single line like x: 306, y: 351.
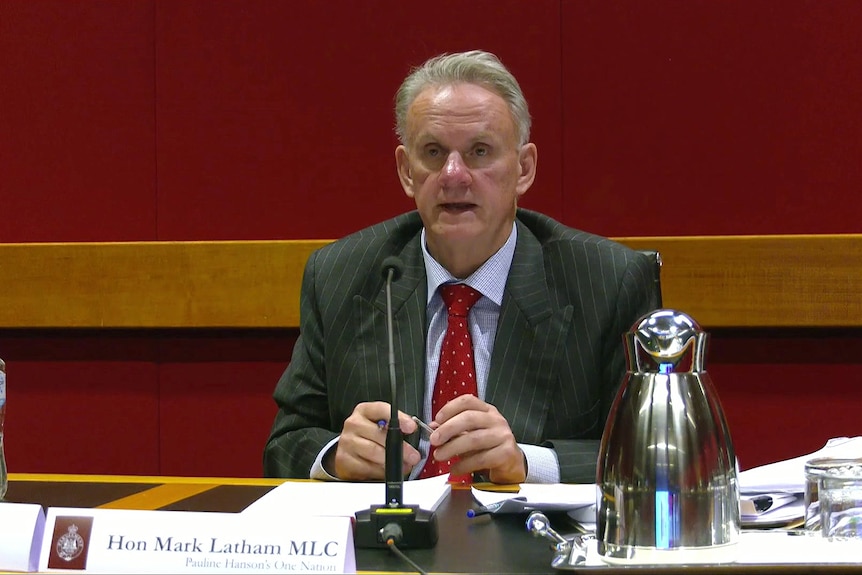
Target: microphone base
x: 418, y: 527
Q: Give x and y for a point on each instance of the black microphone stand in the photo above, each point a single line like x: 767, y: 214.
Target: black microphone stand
x: 406, y: 526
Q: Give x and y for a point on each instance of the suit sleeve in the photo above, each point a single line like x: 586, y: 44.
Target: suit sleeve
x: 302, y: 425
x: 637, y: 295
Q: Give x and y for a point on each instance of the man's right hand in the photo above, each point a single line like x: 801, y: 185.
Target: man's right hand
x: 361, y: 451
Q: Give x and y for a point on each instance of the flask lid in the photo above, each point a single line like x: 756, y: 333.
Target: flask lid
x: 664, y: 341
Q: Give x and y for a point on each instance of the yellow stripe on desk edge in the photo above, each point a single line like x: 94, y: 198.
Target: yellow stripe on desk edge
x: 157, y: 497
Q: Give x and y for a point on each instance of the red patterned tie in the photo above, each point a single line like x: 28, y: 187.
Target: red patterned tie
x: 457, y: 372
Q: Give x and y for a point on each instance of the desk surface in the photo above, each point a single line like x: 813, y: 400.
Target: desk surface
x: 481, y: 545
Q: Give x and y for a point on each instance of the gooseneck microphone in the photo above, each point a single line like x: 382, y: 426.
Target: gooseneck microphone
x: 392, y: 270
x: 394, y: 523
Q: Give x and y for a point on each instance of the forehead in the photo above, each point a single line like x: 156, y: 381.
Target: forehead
x: 459, y: 108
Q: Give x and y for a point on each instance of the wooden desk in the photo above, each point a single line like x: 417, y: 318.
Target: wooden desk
x: 481, y: 545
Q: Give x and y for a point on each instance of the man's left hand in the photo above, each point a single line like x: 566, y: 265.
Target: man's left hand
x: 478, y: 438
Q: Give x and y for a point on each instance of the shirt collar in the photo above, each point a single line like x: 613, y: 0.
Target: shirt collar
x: 489, y: 279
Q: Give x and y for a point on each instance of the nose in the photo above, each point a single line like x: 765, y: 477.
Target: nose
x: 455, y: 171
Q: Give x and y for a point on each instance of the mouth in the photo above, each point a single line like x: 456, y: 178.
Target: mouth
x: 457, y: 208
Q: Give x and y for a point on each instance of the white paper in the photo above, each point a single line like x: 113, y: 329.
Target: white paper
x: 748, y: 503
x: 577, y: 499
x: 343, y: 498
x: 777, y: 517
x: 788, y: 476
x: 21, y: 527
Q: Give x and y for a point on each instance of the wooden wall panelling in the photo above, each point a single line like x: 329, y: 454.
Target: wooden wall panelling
x: 722, y: 281
x: 762, y: 281
x: 153, y: 284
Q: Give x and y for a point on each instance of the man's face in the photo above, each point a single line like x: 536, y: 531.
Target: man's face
x: 464, y: 168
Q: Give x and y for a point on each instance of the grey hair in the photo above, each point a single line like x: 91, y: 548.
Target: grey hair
x: 473, y: 67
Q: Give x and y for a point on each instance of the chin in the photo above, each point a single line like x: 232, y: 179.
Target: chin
x: 465, y: 231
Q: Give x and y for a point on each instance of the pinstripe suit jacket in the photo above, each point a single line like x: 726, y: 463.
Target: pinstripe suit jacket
x: 558, y: 356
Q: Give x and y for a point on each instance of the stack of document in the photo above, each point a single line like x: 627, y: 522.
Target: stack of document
x: 770, y: 495
x: 342, y: 498
x: 773, y: 495
x: 577, y: 500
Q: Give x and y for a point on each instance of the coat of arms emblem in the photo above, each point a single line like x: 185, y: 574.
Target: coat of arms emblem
x: 70, y: 545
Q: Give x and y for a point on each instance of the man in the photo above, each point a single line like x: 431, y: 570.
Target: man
x: 546, y: 331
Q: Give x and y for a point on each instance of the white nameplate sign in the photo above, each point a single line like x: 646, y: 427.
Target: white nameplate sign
x: 21, y: 528
x: 123, y: 541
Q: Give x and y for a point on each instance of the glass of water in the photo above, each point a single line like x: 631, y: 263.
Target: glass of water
x: 840, y: 493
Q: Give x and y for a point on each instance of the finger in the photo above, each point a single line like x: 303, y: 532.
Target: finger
x: 358, y: 430
x: 502, y: 461
x: 372, y: 451
x: 463, y: 422
x: 408, y: 426
x: 357, y: 458
x: 457, y: 446
x: 474, y: 460
x: 458, y: 405
x: 410, y: 457
x: 373, y: 411
x: 478, y: 433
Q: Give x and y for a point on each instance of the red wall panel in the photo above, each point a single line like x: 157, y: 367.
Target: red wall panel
x: 216, y: 406
x: 786, y: 392
x: 81, y: 402
x: 77, y: 157
x: 777, y: 412
x: 735, y: 117
x: 275, y: 122
x: 82, y: 416
x: 215, y: 417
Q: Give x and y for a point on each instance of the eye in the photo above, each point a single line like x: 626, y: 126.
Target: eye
x: 481, y: 151
x: 432, y: 151
x: 432, y: 156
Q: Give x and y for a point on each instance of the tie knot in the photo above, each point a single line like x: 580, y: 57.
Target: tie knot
x: 459, y: 298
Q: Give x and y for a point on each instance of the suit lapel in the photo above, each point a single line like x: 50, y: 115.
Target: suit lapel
x: 529, y: 338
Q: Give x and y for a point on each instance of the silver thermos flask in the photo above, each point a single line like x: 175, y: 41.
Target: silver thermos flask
x: 667, y: 473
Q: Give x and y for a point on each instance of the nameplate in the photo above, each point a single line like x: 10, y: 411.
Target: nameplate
x: 118, y: 541
x: 21, y: 528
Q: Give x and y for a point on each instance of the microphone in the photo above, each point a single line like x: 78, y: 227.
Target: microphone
x: 394, y: 523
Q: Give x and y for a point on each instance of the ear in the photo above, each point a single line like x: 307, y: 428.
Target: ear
x: 527, y: 158
x: 405, y: 174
